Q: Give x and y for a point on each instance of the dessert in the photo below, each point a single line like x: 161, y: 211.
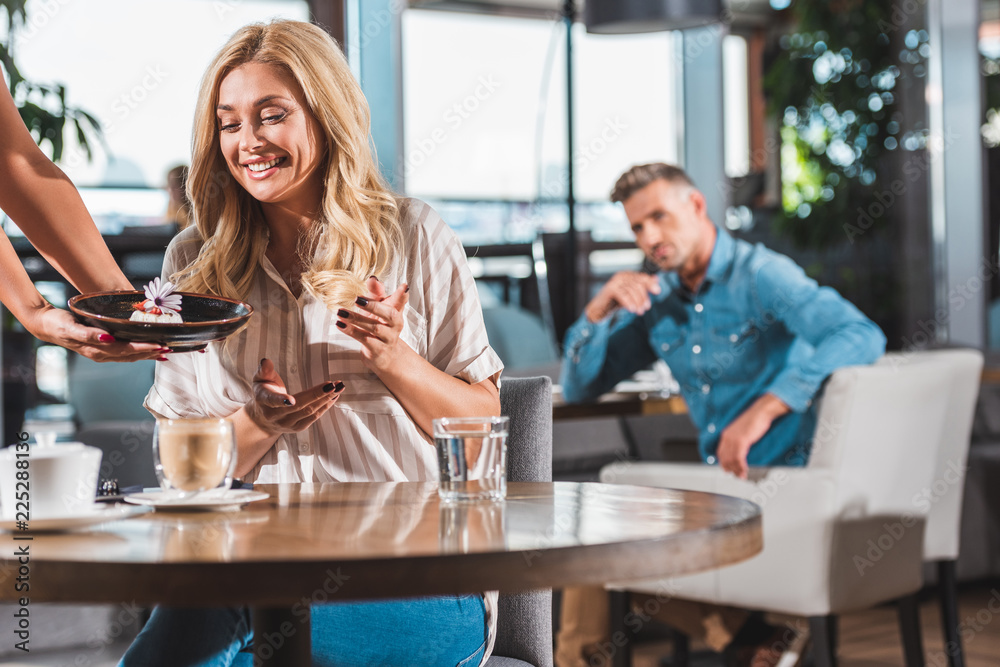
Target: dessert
x: 160, y: 305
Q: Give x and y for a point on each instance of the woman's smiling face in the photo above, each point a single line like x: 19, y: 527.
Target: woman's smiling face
x: 270, y: 140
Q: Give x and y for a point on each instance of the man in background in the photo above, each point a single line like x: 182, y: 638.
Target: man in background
x: 748, y: 336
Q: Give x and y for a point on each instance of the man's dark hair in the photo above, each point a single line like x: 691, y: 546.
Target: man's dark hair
x: 642, y: 175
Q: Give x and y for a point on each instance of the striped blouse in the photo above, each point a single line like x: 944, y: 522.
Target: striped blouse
x: 366, y: 435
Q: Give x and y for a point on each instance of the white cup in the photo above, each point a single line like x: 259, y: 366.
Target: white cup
x: 57, y: 480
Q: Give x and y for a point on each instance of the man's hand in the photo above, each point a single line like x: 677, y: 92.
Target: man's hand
x: 745, y: 431
x: 629, y: 290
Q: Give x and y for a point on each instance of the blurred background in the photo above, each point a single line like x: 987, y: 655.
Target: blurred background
x: 858, y: 137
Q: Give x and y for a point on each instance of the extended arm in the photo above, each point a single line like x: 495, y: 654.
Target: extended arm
x: 43, y: 202
x: 839, y: 332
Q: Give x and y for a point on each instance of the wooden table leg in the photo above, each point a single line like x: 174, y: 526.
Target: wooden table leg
x: 282, y: 638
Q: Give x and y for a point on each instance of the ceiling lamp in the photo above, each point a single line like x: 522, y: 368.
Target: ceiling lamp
x: 617, y: 17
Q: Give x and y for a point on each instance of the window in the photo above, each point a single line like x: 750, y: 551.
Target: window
x: 475, y: 88
x: 136, y: 66
x: 471, y: 89
x: 736, y: 116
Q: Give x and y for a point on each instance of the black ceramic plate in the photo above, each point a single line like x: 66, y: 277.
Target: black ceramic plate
x: 206, y: 319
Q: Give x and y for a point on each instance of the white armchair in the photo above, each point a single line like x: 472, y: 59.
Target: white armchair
x: 846, y: 532
x: 945, y: 493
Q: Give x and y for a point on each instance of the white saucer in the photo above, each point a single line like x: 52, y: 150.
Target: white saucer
x: 217, y: 500
x: 96, y: 514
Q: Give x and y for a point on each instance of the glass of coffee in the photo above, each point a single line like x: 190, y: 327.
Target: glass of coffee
x: 194, y: 455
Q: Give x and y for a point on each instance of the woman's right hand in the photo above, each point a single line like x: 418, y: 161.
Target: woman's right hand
x: 53, y: 325
x: 276, y: 411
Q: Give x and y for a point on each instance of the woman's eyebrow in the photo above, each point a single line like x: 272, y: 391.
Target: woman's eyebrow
x: 262, y: 101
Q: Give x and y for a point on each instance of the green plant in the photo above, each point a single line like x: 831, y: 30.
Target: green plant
x: 846, y: 85
x: 834, y: 87
x: 42, y: 106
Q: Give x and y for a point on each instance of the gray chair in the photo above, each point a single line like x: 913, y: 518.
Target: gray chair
x: 524, y: 620
x: 109, y: 392
x: 127, y: 448
x: 519, y: 338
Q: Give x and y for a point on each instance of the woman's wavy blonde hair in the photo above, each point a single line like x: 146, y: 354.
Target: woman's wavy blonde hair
x: 357, y: 232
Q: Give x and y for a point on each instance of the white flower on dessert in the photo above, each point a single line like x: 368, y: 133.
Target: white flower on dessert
x: 160, y: 296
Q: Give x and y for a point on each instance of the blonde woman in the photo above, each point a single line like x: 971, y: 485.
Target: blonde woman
x: 367, y: 327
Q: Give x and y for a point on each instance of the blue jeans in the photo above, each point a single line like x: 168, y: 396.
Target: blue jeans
x: 432, y: 631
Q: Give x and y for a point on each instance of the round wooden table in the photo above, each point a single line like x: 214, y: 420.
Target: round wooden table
x: 312, y: 543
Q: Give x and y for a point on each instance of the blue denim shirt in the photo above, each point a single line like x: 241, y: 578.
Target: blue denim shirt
x: 757, y: 324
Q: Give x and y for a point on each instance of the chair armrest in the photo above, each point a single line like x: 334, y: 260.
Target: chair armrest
x: 764, y: 485
x: 809, y: 541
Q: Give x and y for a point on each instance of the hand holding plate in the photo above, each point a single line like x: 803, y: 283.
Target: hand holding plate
x: 53, y: 325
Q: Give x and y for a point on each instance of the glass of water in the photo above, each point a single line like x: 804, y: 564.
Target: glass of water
x: 472, y: 458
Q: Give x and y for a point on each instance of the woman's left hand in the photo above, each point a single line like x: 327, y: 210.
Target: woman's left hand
x: 376, y: 324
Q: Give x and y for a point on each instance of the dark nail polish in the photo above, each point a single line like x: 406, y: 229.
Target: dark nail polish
x: 106, y: 338
x: 339, y: 387
x: 341, y: 325
x: 406, y: 289
x: 375, y: 277
x: 287, y: 402
x: 343, y: 313
x: 361, y: 301
x: 161, y: 359
x: 328, y: 387
x: 262, y: 361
